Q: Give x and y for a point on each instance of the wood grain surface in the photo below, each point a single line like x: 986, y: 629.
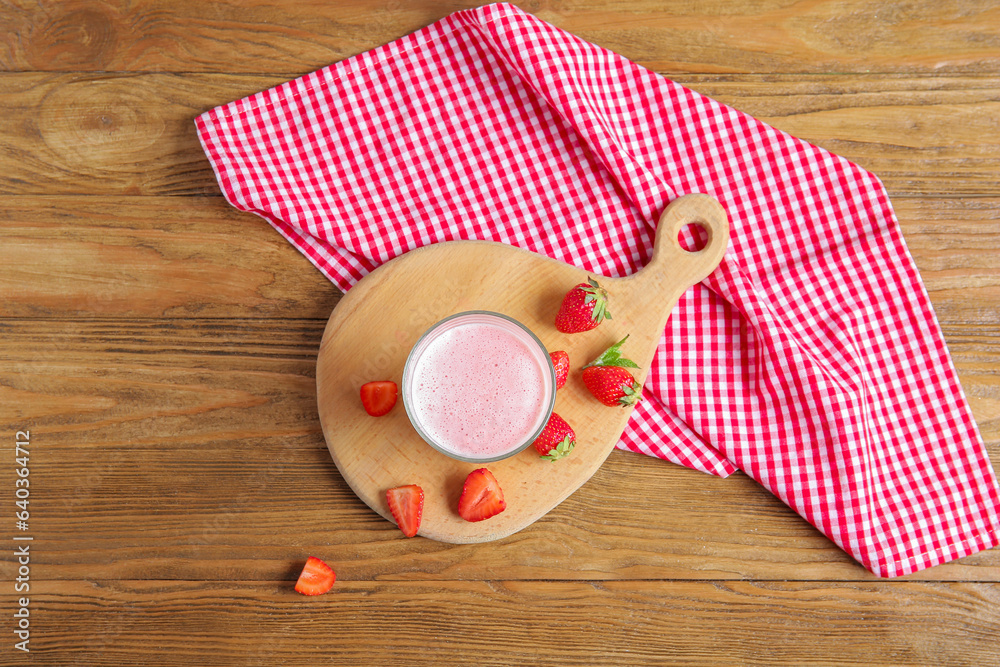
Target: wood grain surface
x: 161, y: 349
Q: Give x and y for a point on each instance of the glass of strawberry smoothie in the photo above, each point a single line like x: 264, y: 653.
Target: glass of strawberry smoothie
x: 479, y: 386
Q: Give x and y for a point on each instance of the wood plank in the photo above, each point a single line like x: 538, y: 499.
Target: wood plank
x: 190, y: 445
x: 106, y: 134
x: 955, y: 244
x: 975, y: 352
x: 520, y: 622
x: 117, y: 257
x: 179, y: 257
x: 94, y: 134
x: 946, y: 125
x: 251, y: 505
x: 707, y: 36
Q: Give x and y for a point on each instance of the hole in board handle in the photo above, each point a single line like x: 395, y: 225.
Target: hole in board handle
x: 693, y: 236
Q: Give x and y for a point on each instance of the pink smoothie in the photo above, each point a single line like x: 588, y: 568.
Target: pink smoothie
x: 479, y: 388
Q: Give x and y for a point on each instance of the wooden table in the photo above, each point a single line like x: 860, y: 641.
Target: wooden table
x: 160, y: 349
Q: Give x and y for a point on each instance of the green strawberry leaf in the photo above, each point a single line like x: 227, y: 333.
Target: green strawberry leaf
x: 633, y: 394
x: 612, y: 357
x: 560, y: 450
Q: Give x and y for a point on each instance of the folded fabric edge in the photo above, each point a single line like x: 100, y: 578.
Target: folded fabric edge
x: 975, y: 543
x: 356, y: 267
x: 656, y: 431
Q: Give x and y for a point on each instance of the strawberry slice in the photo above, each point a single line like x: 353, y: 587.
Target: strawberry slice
x: 317, y: 577
x: 407, y: 506
x: 481, y: 496
x: 560, y: 361
x: 378, y: 397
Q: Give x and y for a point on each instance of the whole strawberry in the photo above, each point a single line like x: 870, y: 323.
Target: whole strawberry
x: 609, y: 380
x: 583, y: 308
x: 556, y: 440
x: 560, y: 361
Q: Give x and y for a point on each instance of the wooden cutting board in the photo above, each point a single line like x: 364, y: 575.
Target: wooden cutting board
x: 372, y: 329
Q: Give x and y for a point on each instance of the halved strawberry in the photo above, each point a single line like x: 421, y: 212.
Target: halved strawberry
x: 560, y: 361
x: 583, y: 308
x: 317, y: 577
x: 407, y: 506
x: 378, y: 397
x: 481, y: 496
x: 609, y: 380
x: 556, y: 440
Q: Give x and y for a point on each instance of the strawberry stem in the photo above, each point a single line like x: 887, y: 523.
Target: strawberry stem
x: 633, y: 394
x: 599, y: 296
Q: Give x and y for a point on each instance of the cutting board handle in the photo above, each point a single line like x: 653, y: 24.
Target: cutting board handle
x: 670, y: 263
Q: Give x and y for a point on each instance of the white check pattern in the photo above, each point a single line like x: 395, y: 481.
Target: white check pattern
x: 811, y: 359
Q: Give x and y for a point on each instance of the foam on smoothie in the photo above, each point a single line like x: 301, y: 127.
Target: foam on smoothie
x: 478, y: 391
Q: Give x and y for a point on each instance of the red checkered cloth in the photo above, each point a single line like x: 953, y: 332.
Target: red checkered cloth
x: 811, y: 359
